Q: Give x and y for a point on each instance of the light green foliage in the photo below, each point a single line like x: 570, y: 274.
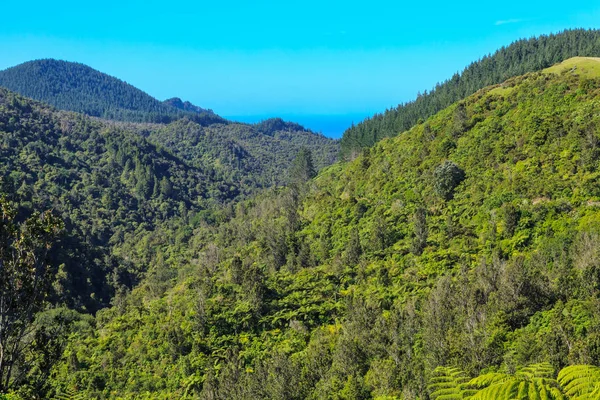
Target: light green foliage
x: 542, y: 370
x: 588, y: 67
x: 366, y: 280
x: 298, y: 282
x: 447, y: 384
x: 581, y: 382
x: 69, y: 394
x: 520, y: 389
x: 533, y: 382
x: 10, y: 396
x: 489, y: 379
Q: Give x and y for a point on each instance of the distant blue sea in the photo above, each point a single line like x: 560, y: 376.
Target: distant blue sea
x: 332, y: 126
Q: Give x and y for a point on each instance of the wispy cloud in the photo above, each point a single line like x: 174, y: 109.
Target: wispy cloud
x: 509, y: 21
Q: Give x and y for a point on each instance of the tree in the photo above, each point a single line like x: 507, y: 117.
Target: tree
x: 379, y: 235
x: 353, y: 248
x: 303, y: 168
x: 535, y: 381
x: 166, y: 189
x: 421, y: 232
x: 447, y: 176
x: 510, y: 214
x: 459, y: 120
x: 24, y: 281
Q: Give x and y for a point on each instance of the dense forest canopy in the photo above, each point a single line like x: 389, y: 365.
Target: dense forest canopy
x: 112, y: 184
x: 186, y: 106
x: 105, y: 182
x: 254, y: 156
x: 458, y: 259
x: 208, y: 259
x: 520, y: 57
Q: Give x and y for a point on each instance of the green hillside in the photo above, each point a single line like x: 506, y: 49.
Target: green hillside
x: 463, y: 253
x: 127, y: 207
x: 77, y: 87
x: 254, y: 156
x: 107, y: 183
x: 522, y: 56
x: 588, y: 67
x: 186, y: 106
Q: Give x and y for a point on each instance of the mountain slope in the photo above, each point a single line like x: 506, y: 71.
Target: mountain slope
x: 256, y: 156
x: 77, y: 87
x: 519, y: 58
x: 106, y: 182
x: 185, y: 106
x: 469, y: 241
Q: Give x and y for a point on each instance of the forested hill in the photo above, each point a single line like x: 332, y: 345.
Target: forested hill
x: 254, y: 156
x: 77, y: 87
x: 186, y: 106
x: 522, y: 56
x: 110, y: 181
x: 107, y: 183
x: 467, y: 245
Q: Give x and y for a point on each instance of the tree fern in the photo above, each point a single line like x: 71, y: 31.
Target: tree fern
x: 581, y: 382
x: 447, y: 384
x: 521, y: 388
x: 486, y: 380
x: 534, y: 382
x: 69, y: 394
x: 541, y: 370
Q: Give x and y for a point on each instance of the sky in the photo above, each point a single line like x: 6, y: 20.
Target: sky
x: 322, y: 63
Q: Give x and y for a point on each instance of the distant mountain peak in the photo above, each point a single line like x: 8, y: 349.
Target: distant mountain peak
x: 186, y: 106
x: 272, y: 125
x: 77, y: 87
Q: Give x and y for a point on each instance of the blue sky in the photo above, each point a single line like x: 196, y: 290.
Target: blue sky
x: 308, y: 61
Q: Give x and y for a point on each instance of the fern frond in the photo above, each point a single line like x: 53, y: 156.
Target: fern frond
x: 507, y: 389
x: 521, y: 388
x: 485, y: 380
x: 533, y: 382
x: 580, y: 382
x: 446, y: 384
x: 69, y: 394
x: 541, y: 370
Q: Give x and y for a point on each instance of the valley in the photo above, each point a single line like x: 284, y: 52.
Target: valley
x: 447, y: 249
